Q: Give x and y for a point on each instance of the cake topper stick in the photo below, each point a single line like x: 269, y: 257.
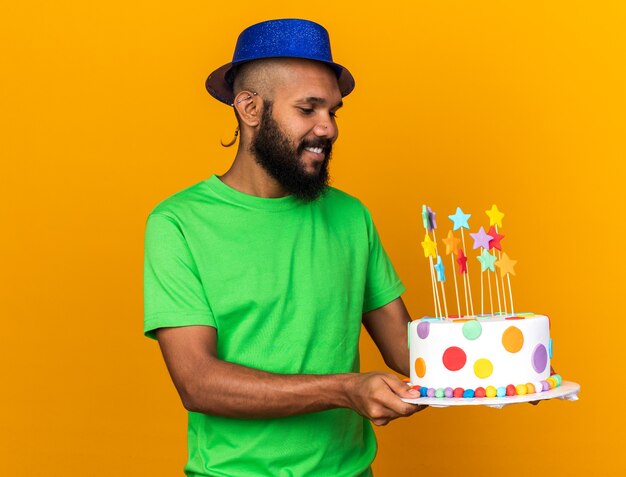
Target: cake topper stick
x: 469, y: 282
x: 481, y: 240
x: 438, y: 311
x: 443, y: 292
x: 490, y: 292
x: 506, y: 266
x: 433, y: 226
x: 495, y: 220
x: 503, y: 292
x: 441, y: 278
x: 428, y: 220
x: 495, y: 244
x: 432, y: 286
x: 452, y: 249
x: 482, y: 303
x: 487, y: 262
x: 462, y: 261
x: 467, y: 308
x: 456, y: 287
x: 508, y: 278
x: 498, y: 291
x: 460, y: 220
x: 430, y: 251
x: 498, y: 286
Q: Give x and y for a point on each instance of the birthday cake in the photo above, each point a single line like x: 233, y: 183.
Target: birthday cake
x: 484, y: 356
x: 473, y: 355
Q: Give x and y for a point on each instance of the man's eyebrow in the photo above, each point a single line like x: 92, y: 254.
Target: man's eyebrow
x: 320, y: 101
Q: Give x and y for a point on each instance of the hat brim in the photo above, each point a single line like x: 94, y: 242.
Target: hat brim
x: 220, y: 86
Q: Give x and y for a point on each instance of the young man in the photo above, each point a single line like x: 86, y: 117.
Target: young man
x: 257, y: 281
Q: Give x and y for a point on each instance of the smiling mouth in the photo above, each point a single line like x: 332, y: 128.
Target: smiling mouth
x: 315, y: 150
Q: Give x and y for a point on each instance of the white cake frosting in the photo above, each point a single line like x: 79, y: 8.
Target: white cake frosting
x: 482, y: 351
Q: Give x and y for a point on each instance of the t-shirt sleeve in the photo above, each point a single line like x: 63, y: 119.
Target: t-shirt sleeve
x: 382, y: 284
x: 173, y: 292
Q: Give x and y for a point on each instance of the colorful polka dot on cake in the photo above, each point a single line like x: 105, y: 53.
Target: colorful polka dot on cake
x: 423, y: 329
x: 512, y: 339
x: 454, y: 358
x: 472, y: 329
x: 483, y: 368
x: 540, y: 358
x: 420, y: 367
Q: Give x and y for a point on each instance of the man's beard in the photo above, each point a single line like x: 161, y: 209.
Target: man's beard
x: 275, y: 153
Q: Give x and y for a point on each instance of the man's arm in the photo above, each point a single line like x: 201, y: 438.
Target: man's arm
x: 387, y: 326
x: 210, y: 385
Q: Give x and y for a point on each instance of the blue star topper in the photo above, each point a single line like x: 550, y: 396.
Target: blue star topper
x: 439, y: 268
x: 460, y: 219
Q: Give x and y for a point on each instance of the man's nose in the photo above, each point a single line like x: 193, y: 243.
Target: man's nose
x: 326, y: 128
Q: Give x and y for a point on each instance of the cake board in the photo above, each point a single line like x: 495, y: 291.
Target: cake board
x: 567, y: 391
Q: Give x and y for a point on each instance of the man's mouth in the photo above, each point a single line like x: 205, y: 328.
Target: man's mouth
x: 315, y: 150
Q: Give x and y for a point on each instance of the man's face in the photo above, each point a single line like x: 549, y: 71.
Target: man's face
x: 298, y: 128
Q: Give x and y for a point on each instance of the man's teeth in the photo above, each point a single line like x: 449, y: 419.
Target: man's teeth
x: 317, y: 150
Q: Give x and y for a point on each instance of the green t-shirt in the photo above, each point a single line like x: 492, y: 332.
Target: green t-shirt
x: 285, y: 283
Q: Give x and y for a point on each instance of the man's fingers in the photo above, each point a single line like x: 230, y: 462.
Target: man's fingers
x: 401, y: 388
x: 378, y: 397
x: 381, y: 422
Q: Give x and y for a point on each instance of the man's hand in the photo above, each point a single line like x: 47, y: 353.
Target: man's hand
x: 376, y: 396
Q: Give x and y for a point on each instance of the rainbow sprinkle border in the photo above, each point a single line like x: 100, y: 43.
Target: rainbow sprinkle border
x: 554, y: 381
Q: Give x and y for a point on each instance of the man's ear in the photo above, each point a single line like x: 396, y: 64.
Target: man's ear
x: 248, y: 106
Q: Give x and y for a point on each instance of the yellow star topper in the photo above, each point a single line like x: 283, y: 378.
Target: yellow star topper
x: 452, y: 243
x: 495, y: 216
x: 430, y: 248
x: 506, y: 265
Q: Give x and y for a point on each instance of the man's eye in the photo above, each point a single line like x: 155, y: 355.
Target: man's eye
x: 307, y: 110
x: 333, y: 115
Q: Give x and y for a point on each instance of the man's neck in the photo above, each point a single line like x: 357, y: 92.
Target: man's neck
x: 247, y: 176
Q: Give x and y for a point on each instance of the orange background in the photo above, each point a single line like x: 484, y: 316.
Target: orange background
x: 104, y: 114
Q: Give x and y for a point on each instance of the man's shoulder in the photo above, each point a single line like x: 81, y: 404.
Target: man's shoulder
x: 181, y: 201
x: 340, y: 201
x: 337, y: 196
